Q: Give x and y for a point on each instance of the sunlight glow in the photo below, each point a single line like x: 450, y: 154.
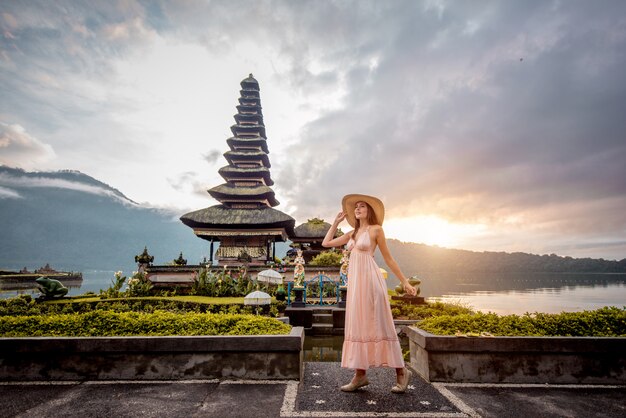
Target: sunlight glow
x: 180, y: 98
x: 431, y: 230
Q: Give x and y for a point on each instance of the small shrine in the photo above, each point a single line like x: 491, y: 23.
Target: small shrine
x: 45, y: 269
x: 309, y: 236
x: 144, y: 260
x: 180, y: 261
x: 245, y: 223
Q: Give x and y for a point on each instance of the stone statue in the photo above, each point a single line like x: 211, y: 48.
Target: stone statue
x: 298, y: 271
x: 415, y: 282
x: 51, y: 288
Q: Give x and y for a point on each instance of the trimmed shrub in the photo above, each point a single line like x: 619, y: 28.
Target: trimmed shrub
x: 20, y: 306
x: 430, y: 309
x: 109, y: 323
x: 327, y: 258
x: 222, y: 283
x: 603, y: 322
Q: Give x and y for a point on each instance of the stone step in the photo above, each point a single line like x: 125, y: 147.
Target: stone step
x: 323, y: 311
x: 322, y: 318
x: 322, y: 329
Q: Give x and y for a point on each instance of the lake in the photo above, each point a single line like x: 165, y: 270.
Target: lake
x: 518, y: 293
x: 503, y: 293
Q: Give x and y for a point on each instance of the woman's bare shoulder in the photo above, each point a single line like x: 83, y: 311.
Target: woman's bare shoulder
x: 376, y: 230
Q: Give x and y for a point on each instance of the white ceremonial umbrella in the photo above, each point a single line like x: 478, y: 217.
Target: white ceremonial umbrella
x: 269, y: 276
x: 257, y: 298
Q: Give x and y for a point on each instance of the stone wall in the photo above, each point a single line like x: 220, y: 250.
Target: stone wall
x: 559, y: 360
x: 152, y: 358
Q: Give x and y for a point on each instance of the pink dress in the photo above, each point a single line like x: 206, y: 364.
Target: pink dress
x: 370, y: 337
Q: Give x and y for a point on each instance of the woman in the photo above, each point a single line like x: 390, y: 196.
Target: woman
x: 370, y: 336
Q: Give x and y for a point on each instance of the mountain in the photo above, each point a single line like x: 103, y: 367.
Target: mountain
x: 419, y: 258
x: 75, y: 222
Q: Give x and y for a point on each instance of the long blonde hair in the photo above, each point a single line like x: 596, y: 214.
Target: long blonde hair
x: 371, y: 219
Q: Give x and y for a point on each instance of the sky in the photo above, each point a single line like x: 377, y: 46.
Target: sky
x: 482, y: 125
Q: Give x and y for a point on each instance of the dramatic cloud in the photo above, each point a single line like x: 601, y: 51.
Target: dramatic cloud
x: 18, y: 148
x: 506, y: 116
x: 503, y: 119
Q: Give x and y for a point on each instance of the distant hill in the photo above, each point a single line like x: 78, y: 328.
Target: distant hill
x: 419, y: 258
x: 73, y: 221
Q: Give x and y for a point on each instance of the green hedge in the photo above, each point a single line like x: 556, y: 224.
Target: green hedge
x: 109, y: 323
x: 24, y: 306
x: 430, y: 309
x: 327, y: 258
x: 604, y: 322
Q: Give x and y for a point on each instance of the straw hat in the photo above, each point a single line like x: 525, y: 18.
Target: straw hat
x: 349, y: 202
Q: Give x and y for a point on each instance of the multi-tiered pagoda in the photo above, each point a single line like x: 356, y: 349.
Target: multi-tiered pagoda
x: 245, y: 223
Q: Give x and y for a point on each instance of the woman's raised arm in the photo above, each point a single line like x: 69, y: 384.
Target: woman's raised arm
x: 330, y: 240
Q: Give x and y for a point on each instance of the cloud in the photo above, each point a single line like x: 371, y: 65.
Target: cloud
x: 20, y: 149
x: 36, y: 180
x: 212, y: 156
x: 507, y: 115
x: 450, y: 122
x: 6, y: 193
x: 189, y: 182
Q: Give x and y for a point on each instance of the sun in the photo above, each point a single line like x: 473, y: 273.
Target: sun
x: 430, y: 230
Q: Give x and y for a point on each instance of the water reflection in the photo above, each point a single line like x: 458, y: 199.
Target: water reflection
x: 323, y: 348
x: 548, y: 300
x: 328, y: 348
x: 9, y: 290
x: 503, y: 293
x: 445, y: 283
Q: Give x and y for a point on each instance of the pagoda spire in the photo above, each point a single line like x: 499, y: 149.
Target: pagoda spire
x: 247, y: 174
x: 245, y: 222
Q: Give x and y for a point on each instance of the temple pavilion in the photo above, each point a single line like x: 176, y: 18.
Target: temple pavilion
x: 309, y: 236
x: 245, y: 222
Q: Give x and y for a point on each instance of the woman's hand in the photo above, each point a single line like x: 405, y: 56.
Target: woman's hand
x: 329, y: 239
x: 409, y: 289
x: 339, y: 218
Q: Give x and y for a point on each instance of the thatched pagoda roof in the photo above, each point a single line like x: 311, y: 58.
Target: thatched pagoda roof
x: 227, y: 192
x: 247, y: 155
x: 219, y: 216
x: 229, y: 172
x: 314, y: 228
x: 238, y: 130
x: 258, y: 141
x: 250, y: 80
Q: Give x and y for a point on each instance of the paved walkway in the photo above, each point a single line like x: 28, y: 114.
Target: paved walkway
x: 316, y: 396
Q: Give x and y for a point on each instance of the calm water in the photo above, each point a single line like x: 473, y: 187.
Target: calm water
x: 521, y: 293
x: 503, y: 293
x: 548, y: 300
x: 93, y: 280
